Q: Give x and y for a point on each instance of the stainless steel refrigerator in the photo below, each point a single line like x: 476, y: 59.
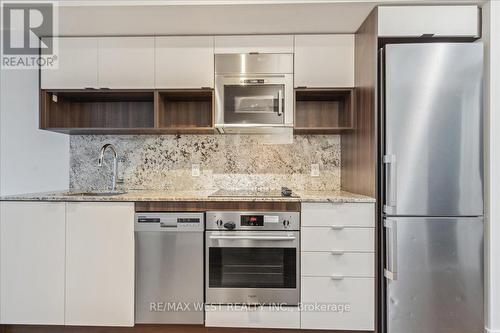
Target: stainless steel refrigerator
x: 432, y: 187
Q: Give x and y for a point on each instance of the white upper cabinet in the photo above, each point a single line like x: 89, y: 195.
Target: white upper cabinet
x: 439, y: 21
x: 100, y: 264
x: 324, y: 61
x: 254, y: 43
x: 77, y: 65
x: 32, y: 238
x: 184, y: 62
x: 126, y: 62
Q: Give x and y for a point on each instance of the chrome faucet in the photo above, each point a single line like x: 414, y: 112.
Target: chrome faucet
x: 115, y: 161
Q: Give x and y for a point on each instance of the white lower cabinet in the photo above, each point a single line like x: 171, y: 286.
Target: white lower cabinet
x: 252, y: 317
x: 338, y: 263
x: 338, y: 266
x: 350, y: 300
x: 100, y: 264
x: 67, y: 263
x: 330, y: 239
x: 32, y: 263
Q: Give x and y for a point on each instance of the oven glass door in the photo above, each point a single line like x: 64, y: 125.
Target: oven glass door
x: 252, y: 267
x: 254, y: 103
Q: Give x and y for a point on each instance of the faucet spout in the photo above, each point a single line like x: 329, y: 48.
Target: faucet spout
x: 115, y: 162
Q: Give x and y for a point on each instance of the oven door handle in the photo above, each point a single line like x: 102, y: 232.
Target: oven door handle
x: 258, y: 238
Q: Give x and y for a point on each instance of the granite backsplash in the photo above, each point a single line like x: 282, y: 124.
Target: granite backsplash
x: 225, y: 161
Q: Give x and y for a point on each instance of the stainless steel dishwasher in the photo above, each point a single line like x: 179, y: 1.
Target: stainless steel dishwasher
x: 169, y: 268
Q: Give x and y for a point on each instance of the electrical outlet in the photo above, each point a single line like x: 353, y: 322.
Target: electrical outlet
x: 314, y: 170
x: 195, y: 170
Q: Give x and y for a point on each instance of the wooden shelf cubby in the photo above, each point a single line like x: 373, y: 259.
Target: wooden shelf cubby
x: 188, y: 111
x: 104, y: 111
x: 94, y: 110
x: 324, y: 111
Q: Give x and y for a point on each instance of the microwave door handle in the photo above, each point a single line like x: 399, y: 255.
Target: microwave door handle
x: 280, y: 102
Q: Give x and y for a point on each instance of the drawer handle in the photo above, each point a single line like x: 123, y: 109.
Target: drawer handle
x: 337, y: 277
x: 337, y: 253
x: 337, y: 227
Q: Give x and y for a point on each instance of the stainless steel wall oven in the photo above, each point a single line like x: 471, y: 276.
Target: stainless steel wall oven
x: 252, y: 257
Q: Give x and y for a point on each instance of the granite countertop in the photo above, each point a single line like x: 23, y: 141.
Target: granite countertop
x: 145, y: 195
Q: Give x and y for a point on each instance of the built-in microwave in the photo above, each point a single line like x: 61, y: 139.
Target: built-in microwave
x: 253, y: 91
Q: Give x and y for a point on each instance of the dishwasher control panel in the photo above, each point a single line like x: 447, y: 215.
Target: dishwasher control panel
x: 169, y: 222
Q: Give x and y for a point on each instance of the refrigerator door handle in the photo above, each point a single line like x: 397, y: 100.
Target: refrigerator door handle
x: 390, y: 184
x: 390, y: 272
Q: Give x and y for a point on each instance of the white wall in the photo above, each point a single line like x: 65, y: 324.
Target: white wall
x: 31, y: 160
x: 491, y: 38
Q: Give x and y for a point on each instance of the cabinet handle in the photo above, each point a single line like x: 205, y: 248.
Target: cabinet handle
x: 337, y: 277
x: 337, y: 227
x: 337, y: 253
x: 335, y: 202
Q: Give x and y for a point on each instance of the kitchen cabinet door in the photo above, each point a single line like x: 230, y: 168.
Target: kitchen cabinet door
x: 126, y: 62
x: 76, y: 65
x: 337, y: 239
x: 254, y: 43
x: 338, y: 214
x: 100, y: 264
x: 358, y: 294
x: 184, y: 62
x: 32, y: 263
x: 438, y: 21
x: 287, y: 317
x: 324, y: 61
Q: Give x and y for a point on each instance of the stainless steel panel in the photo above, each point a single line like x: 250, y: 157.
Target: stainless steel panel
x: 433, y: 129
x: 169, y: 268
x: 439, y: 284
x: 254, y: 63
x: 167, y: 222
x: 272, y: 220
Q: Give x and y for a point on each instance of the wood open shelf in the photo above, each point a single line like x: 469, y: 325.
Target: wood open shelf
x: 99, y: 109
x: 185, y: 110
x: 324, y: 111
x: 127, y: 111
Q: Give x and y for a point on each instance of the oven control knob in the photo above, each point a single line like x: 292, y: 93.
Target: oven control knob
x: 219, y: 223
x: 229, y: 225
x: 286, y: 223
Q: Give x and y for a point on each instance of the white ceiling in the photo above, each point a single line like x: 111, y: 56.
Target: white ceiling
x: 177, y: 17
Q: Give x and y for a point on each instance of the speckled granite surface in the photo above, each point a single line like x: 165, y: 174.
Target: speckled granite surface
x: 304, y: 196
x: 226, y: 161
x: 158, y: 168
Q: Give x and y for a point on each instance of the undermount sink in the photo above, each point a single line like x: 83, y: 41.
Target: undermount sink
x: 94, y: 194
